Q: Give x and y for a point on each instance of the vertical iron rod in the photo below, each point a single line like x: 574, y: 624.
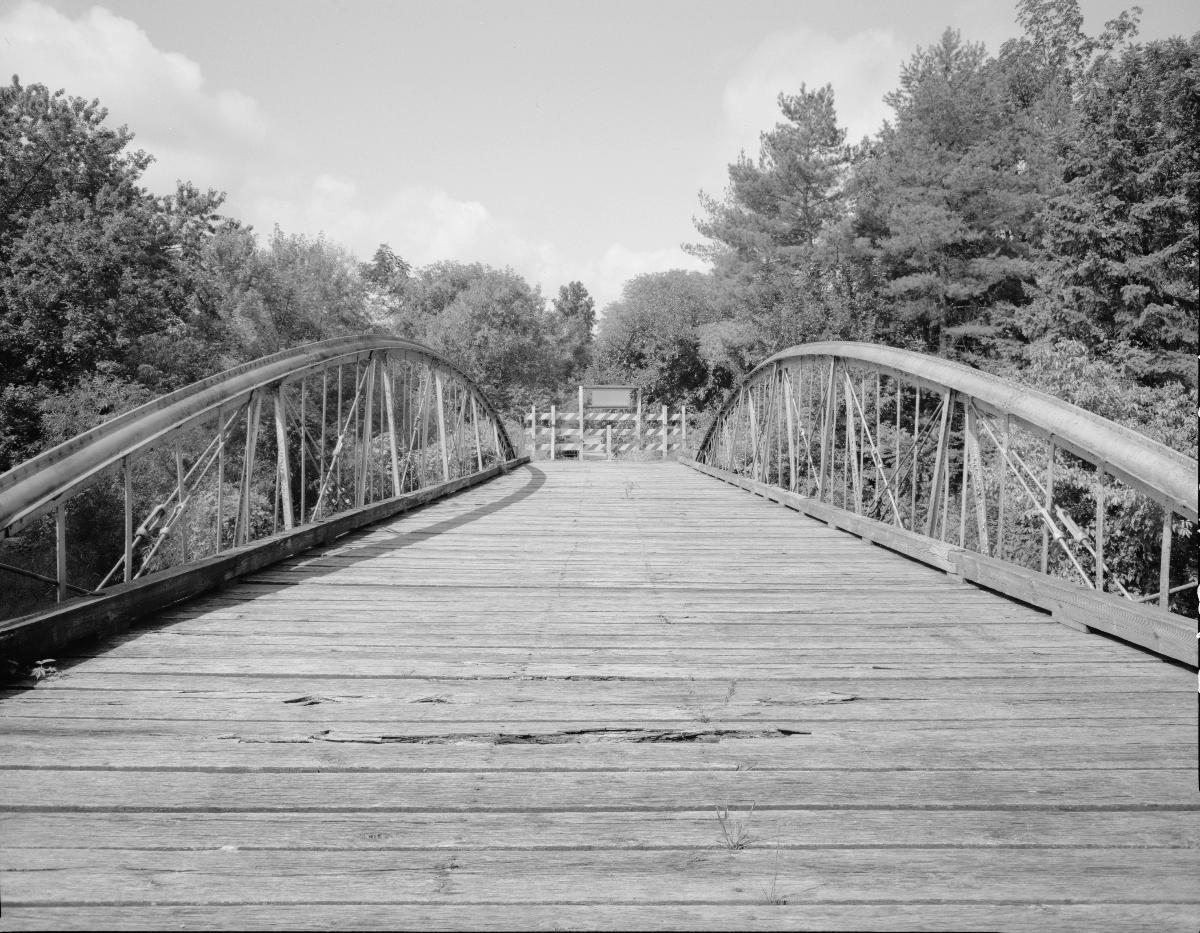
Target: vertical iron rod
x: 1049, y: 506
x: 362, y: 475
x: 787, y: 428
x: 283, y: 468
x: 845, y: 462
x: 862, y: 426
x: 1164, y: 561
x: 896, y: 468
x: 441, y: 426
x: 1002, y: 517
x: 780, y: 400
x: 423, y: 416
x: 324, y: 417
x: 179, y: 483
x: 853, y: 446
x: 878, y: 434
x: 253, y: 410
x: 338, y: 465
x: 806, y: 423
x: 303, y: 448
x: 389, y: 405
x: 475, y: 426
x: 824, y: 487
x: 128, y: 518
x: 974, y: 455
x: 916, y: 436
x: 60, y: 549
x: 220, y: 477
x: 1100, y: 469
x: 939, y: 478
x: 964, y: 476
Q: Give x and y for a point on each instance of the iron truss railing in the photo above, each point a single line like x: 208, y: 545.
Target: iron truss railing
x: 992, y: 481
x: 259, y: 452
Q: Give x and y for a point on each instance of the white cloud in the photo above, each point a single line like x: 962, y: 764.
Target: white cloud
x: 194, y: 131
x: 426, y: 225
x: 861, y: 68
x: 421, y: 224
x: 218, y: 138
x: 619, y: 264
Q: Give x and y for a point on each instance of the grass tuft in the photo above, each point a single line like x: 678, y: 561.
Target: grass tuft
x: 735, y: 833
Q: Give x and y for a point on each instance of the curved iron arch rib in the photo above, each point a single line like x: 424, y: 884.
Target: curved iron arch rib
x: 1150, y: 467
x: 814, y: 411
x: 33, y: 487
x: 356, y: 429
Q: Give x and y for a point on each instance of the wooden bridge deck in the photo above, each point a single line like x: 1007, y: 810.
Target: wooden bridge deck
x: 523, y: 707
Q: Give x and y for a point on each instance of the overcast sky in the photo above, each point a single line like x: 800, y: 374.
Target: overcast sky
x: 568, y: 140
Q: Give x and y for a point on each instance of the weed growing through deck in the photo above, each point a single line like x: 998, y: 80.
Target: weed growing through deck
x: 735, y: 833
x: 43, y: 669
x: 771, y: 893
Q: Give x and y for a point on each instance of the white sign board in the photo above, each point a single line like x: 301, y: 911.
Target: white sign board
x: 613, y: 396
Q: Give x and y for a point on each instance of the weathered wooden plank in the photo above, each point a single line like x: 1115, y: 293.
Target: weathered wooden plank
x: 506, y: 790
x: 85, y: 683
x: 282, y: 652
x: 1018, y: 918
x: 704, y: 875
x: 610, y: 601
x: 303, y: 706
x: 385, y: 628
x: 217, y: 610
x: 493, y: 730
x: 535, y: 665
x: 990, y: 744
x: 785, y: 829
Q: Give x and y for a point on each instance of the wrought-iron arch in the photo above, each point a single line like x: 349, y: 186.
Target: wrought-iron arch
x: 915, y: 435
x: 333, y: 434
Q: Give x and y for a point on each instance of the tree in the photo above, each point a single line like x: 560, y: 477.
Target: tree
x: 775, y: 209
x: 494, y: 324
x: 652, y: 337
x: 96, y: 274
x: 576, y: 311
x: 1054, y: 34
x: 948, y: 199
x: 1122, y: 243
x: 388, y: 282
x: 291, y: 290
x: 775, y: 239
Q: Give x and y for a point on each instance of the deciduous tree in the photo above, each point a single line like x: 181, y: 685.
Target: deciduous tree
x: 576, y: 311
